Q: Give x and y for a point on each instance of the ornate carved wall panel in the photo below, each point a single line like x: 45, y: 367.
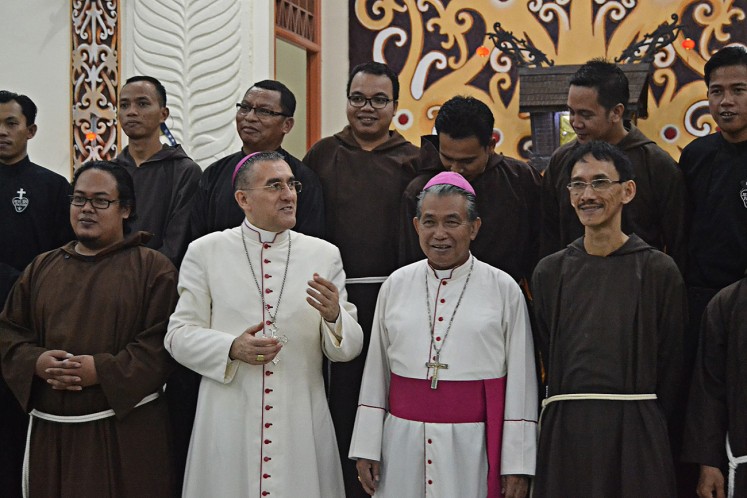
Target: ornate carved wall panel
x: 432, y: 45
x: 94, y: 78
x: 194, y: 48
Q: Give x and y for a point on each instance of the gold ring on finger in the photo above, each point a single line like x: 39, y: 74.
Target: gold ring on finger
x: 260, y: 358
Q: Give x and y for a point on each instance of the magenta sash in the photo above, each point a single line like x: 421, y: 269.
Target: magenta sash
x: 456, y: 402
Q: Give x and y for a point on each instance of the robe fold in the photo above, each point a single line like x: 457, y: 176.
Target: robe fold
x: 718, y: 398
x: 165, y: 186
x: 114, y: 306
x: 490, y: 338
x: 608, y: 325
x: 260, y: 430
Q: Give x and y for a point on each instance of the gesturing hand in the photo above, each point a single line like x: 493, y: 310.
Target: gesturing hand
x: 324, y: 297
x: 369, y: 473
x: 252, y: 349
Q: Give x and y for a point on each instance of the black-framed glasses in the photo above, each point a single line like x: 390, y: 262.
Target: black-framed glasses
x: 376, y: 102
x: 96, y: 202
x: 294, y: 186
x: 597, y: 185
x: 244, y: 110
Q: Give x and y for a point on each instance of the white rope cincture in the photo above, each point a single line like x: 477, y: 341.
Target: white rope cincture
x: 65, y: 419
x: 586, y: 396
x: 365, y: 280
x: 734, y: 462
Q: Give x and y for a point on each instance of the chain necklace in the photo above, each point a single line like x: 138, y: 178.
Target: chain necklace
x: 436, y: 364
x: 272, y: 326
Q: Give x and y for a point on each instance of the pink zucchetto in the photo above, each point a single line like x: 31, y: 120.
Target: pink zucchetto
x: 450, y: 178
x: 238, y: 167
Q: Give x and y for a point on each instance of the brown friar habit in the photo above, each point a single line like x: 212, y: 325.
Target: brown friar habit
x: 609, y: 325
x: 718, y: 399
x: 508, y: 202
x: 656, y: 214
x: 362, y: 197
x: 114, y: 306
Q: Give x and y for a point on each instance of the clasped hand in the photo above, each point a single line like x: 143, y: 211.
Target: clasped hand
x: 65, y: 371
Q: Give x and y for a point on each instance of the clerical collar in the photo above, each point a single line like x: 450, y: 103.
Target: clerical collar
x: 449, y: 273
x: 260, y: 235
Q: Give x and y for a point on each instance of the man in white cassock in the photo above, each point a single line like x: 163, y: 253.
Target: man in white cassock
x: 448, y: 403
x: 258, y: 306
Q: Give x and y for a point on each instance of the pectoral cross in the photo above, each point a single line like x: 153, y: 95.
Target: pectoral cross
x: 281, y: 338
x: 436, y: 366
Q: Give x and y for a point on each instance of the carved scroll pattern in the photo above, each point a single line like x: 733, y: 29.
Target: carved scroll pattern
x: 432, y: 44
x: 95, y: 67
x: 194, y: 48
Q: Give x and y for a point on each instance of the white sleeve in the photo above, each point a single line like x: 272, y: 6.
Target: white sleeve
x: 519, y: 448
x: 373, y: 402
x: 189, y: 339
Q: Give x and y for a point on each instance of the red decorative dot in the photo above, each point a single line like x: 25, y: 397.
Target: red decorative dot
x: 443, y: 282
x: 267, y: 441
x: 440, y: 319
x: 438, y: 338
x: 268, y: 291
x: 268, y: 322
x: 403, y: 119
x: 688, y: 44
x: 268, y: 407
x: 430, y: 462
x: 443, y: 301
x: 267, y: 275
x: 430, y: 482
x: 265, y: 493
x: 268, y: 306
x: 268, y: 373
x: 266, y: 246
x: 266, y: 476
x: 267, y: 261
x: 482, y: 51
x: 670, y: 133
x: 268, y: 425
x: 267, y: 459
x: 430, y: 441
x: 268, y: 390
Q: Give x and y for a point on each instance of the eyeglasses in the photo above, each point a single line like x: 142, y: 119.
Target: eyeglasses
x: 361, y: 101
x: 261, y: 112
x: 598, y: 185
x: 294, y: 186
x: 96, y: 202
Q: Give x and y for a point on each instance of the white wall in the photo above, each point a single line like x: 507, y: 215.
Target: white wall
x: 334, y: 65
x: 35, y: 60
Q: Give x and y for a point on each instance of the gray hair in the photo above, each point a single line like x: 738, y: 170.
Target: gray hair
x: 242, y: 175
x: 442, y: 190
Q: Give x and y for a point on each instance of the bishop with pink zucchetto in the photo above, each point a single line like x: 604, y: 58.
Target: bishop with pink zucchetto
x: 448, y: 403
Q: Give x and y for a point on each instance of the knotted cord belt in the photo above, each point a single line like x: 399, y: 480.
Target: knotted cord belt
x: 66, y: 419
x: 734, y: 462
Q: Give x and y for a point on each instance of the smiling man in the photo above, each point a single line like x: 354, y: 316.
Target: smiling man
x: 508, y: 193
x: 609, y: 323
x: 263, y: 118
x: 597, y: 98
x: 363, y: 170
x: 165, y: 177
x: 259, y: 306
x: 81, y: 339
x: 448, y: 404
